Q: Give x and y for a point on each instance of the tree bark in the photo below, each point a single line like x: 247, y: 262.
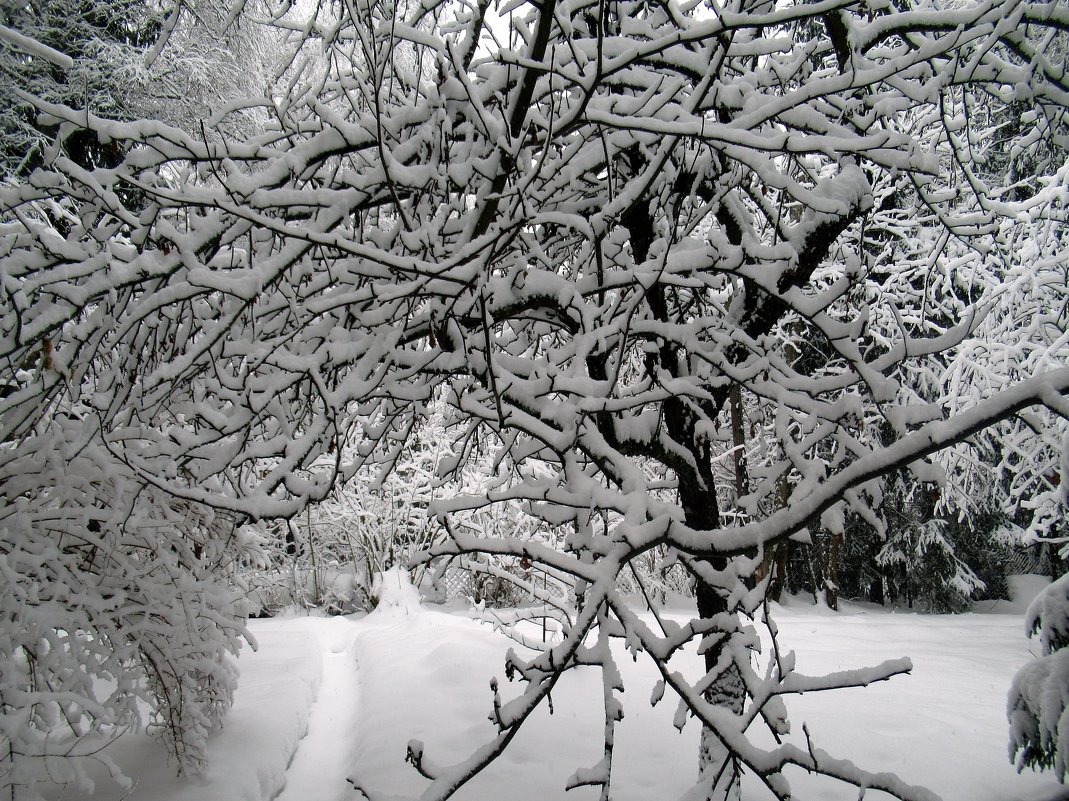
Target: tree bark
x: 718, y: 769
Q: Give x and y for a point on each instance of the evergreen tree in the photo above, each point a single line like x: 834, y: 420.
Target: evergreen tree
x: 1039, y: 698
x: 101, y: 38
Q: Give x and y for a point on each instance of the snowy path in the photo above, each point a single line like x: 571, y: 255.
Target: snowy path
x: 324, y: 755
x: 324, y: 699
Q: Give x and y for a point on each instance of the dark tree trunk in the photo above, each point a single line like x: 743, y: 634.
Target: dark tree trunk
x: 716, y: 765
x: 831, y: 580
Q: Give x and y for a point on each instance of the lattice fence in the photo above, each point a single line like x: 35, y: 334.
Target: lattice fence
x: 482, y: 582
x: 1033, y: 559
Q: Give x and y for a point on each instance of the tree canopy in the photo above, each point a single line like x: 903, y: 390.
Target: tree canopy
x: 627, y: 243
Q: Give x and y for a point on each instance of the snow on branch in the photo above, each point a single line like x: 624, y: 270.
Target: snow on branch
x: 32, y: 47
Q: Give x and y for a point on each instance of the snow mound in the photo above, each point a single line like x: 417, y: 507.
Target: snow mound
x: 393, y: 590
x: 1023, y: 590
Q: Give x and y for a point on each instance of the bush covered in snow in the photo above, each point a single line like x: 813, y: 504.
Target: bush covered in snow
x: 115, y: 597
x: 1039, y: 697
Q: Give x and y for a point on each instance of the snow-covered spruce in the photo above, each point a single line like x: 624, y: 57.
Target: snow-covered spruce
x: 1038, y: 706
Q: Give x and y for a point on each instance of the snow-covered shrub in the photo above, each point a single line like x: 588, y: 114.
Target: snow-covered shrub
x: 1038, y: 706
x: 338, y: 588
x: 113, y: 595
x: 376, y: 520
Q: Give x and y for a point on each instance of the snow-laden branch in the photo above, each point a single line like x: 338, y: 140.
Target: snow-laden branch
x: 1047, y: 389
x: 32, y: 47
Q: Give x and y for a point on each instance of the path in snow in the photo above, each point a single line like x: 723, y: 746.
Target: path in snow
x: 324, y: 756
x: 324, y: 699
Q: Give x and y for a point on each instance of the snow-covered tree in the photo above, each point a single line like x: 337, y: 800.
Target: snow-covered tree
x: 1039, y: 698
x: 1005, y: 153
x: 115, y: 598
x: 196, y: 64
x: 118, y: 597
x: 583, y: 237
x: 86, y: 44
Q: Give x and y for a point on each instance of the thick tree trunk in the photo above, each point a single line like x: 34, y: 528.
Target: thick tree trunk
x: 718, y: 770
x: 816, y: 577
x: 775, y: 563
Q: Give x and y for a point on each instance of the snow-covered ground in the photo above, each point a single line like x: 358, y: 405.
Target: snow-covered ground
x: 325, y: 699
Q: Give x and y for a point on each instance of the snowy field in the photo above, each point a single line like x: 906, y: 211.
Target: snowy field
x: 324, y: 699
